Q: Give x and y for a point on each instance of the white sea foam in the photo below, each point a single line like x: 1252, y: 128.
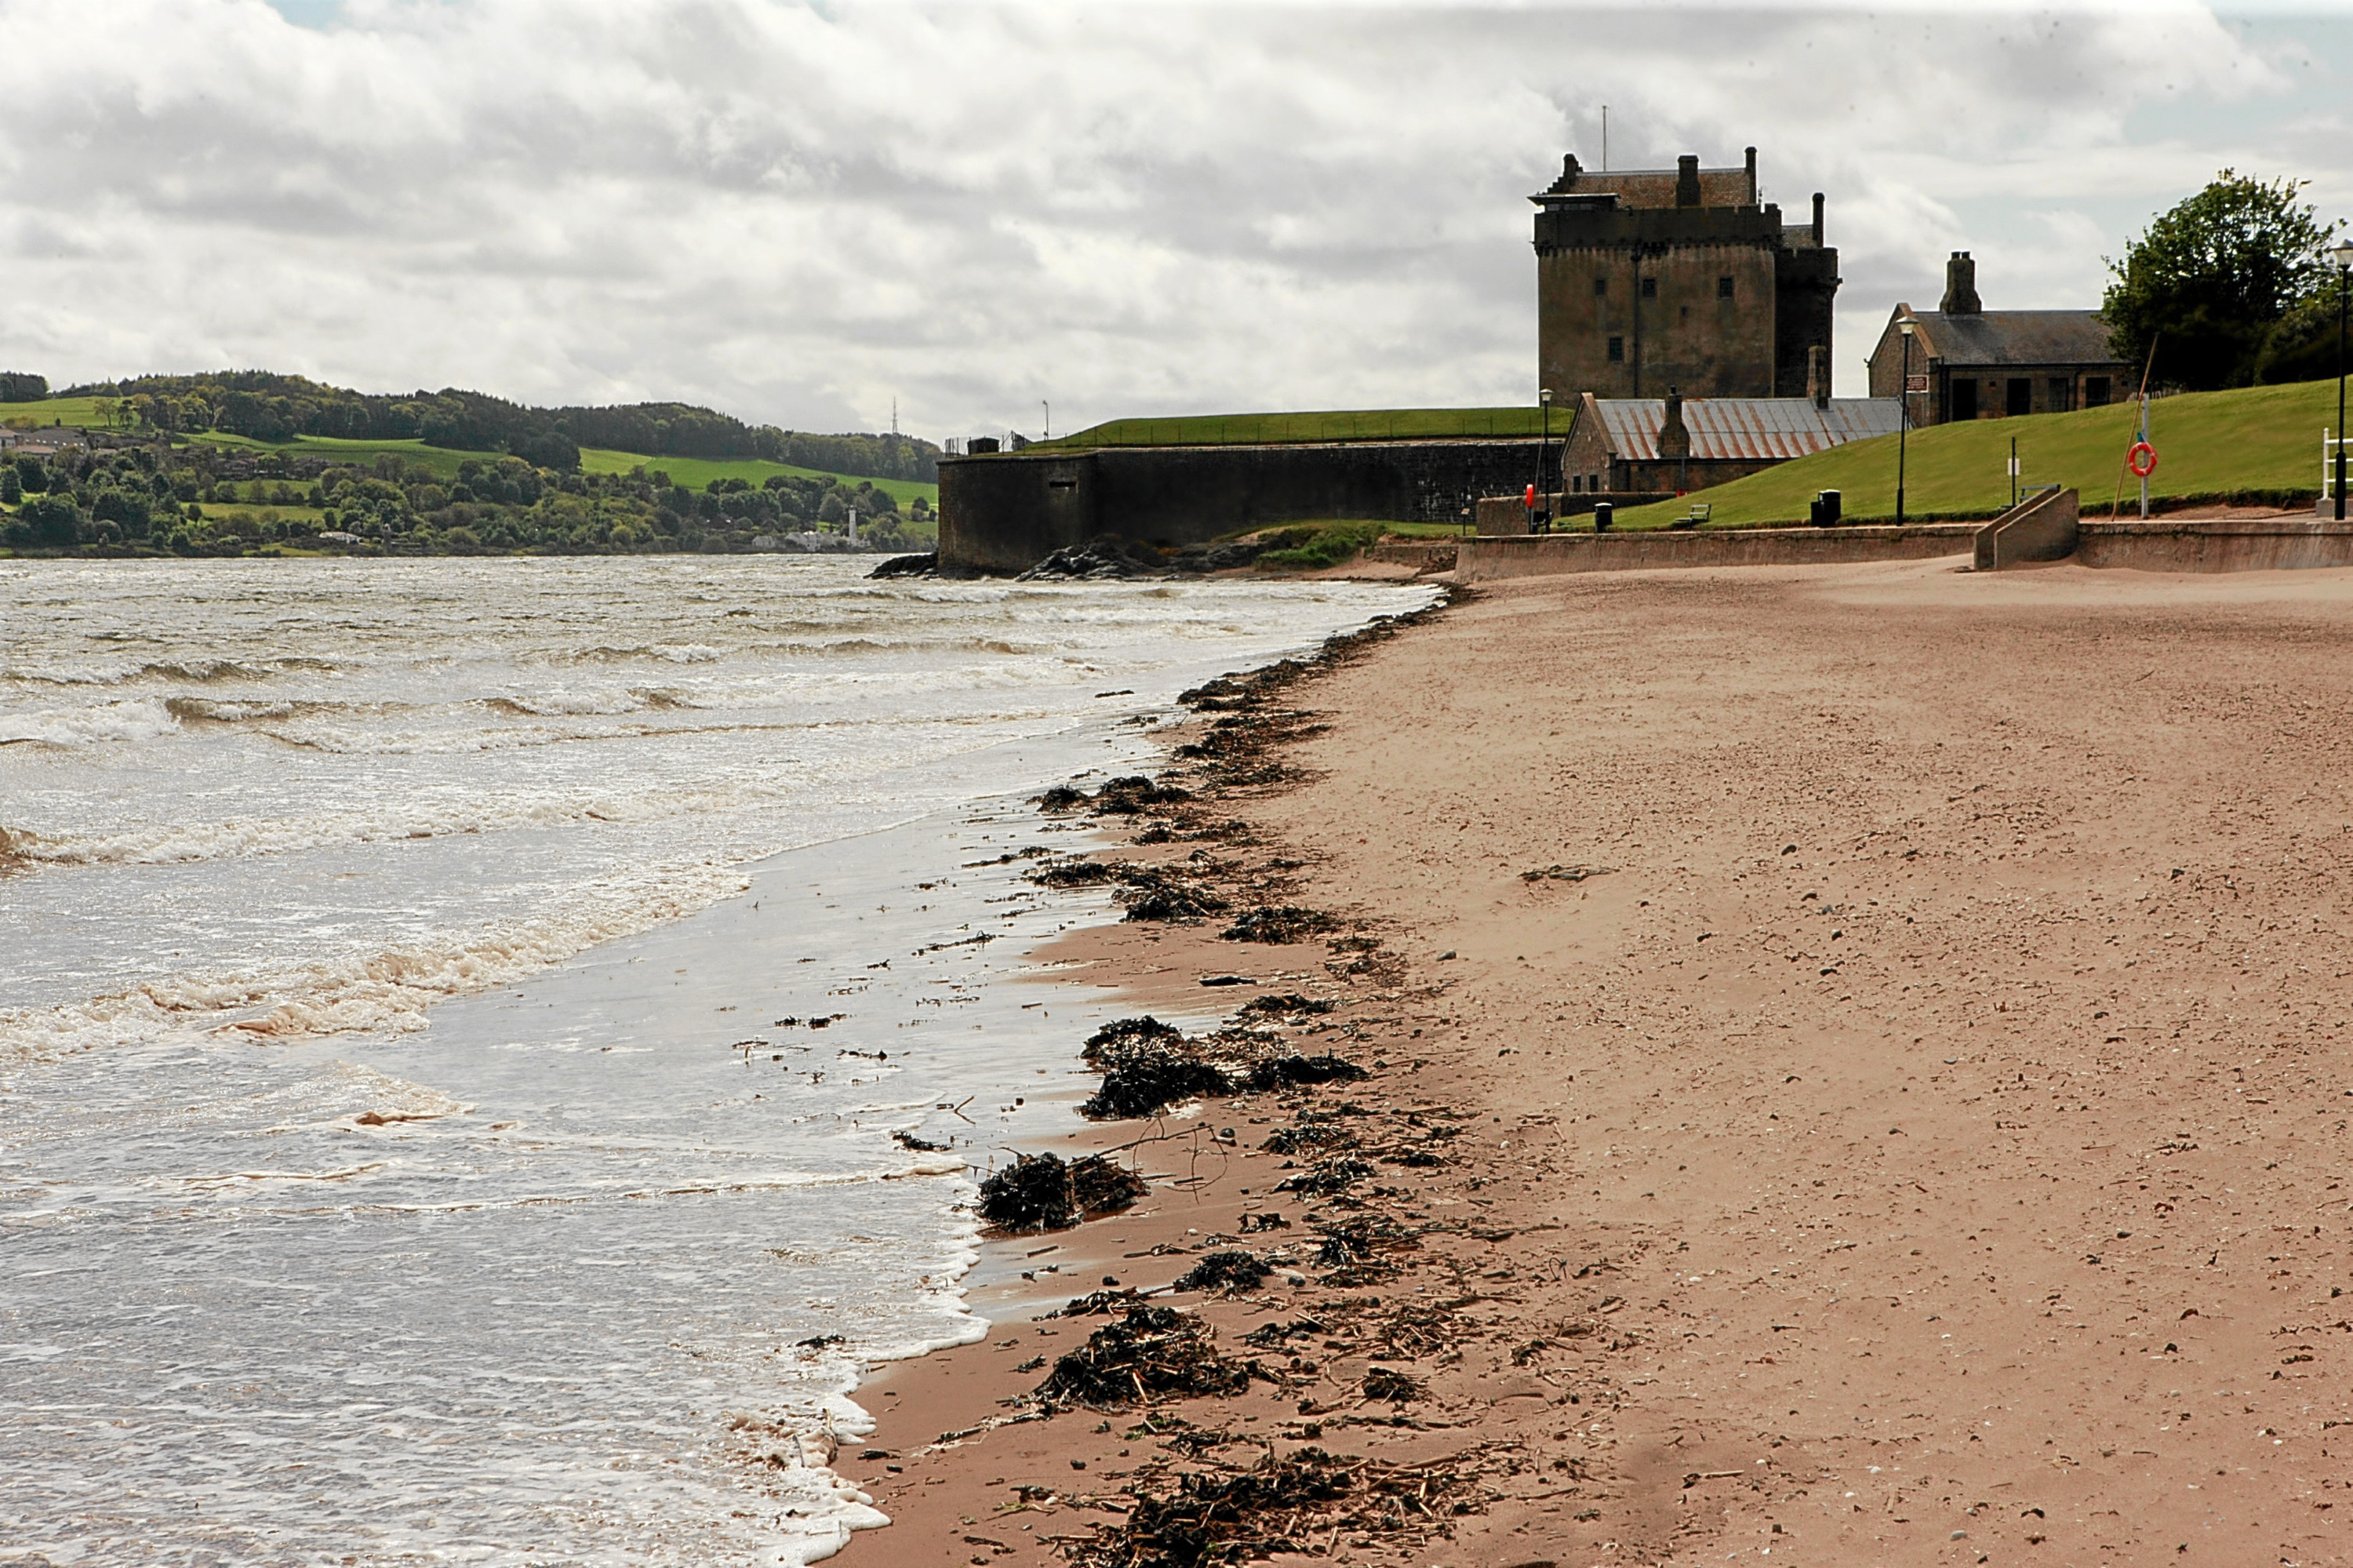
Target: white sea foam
x: 134, y: 719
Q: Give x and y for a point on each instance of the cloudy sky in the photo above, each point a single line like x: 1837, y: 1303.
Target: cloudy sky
x: 800, y: 212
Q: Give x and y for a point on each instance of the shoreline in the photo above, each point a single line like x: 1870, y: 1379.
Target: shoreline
x: 1907, y: 1138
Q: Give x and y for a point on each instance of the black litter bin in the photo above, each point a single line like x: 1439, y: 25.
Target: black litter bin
x: 1604, y: 514
x: 1833, y: 508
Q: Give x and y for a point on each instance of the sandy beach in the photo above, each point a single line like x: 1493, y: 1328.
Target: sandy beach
x: 1881, y: 1026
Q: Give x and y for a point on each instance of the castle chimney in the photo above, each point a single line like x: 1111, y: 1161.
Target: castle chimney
x: 1961, y: 287
x: 1817, y: 219
x: 1752, y: 176
x: 1818, y: 375
x: 1687, y: 180
x: 1674, y: 440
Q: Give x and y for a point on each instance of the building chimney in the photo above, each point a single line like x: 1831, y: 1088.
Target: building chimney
x: 1817, y: 219
x: 1961, y: 287
x: 1675, y: 440
x: 1687, y: 181
x: 1818, y: 375
x: 1752, y: 176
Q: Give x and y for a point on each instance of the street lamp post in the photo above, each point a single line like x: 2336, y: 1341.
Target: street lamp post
x: 2343, y: 256
x: 1903, y: 413
x: 1543, y: 448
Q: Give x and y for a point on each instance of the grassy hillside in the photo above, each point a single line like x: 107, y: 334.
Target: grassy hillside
x: 1335, y: 425
x: 696, y: 472
x: 693, y: 472
x: 443, y: 461
x: 2207, y: 444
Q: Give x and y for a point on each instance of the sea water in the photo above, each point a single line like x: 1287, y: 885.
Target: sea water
x: 455, y: 1015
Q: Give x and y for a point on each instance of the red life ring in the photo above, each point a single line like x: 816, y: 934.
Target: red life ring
x: 2141, y: 460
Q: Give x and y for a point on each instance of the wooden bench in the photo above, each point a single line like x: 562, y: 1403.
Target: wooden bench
x: 1694, y: 517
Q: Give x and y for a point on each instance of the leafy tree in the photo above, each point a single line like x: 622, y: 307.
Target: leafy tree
x: 2210, y: 280
x: 31, y: 475
x: 12, y: 487
x: 2303, y: 346
x: 124, y: 508
x: 52, y: 520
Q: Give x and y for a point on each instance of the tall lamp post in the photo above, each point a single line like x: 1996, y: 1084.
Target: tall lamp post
x: 2343, y: 256
x: 1907, y: 326
x: 1543, y: 448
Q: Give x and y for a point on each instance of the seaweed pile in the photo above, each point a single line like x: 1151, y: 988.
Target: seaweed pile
x: 1295, y: 1504
x: 1148, y: 1066
x: 1040, y: 1192
x: 1226, y: 1271
x: 1154, y: 1352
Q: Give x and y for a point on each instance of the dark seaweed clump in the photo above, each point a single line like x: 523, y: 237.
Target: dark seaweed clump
x: 1279, y: 923
x: 1284, y: 1072
x: 1225, y: 1271
x: 1288, y: 1002
x: 1153, y: 1352
x: 1142, y: 1088
x: 1040, y: 1192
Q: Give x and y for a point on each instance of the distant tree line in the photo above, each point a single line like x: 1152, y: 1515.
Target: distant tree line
x: 2231, y: 288
x: 267, y: 406
x: 150, y: 498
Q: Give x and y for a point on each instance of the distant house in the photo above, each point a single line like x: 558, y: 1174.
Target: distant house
x: 1651, y: 445
x: 1969, y: 363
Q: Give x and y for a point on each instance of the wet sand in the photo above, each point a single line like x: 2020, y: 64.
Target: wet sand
x: 1902, y: 1120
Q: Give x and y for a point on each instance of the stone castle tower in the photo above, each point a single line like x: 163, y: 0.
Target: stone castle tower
x: 1650, y: 279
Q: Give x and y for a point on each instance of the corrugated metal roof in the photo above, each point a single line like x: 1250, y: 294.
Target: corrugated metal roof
x: 1725, y: 427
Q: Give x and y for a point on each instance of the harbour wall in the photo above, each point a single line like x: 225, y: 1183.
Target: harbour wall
x: 1487, y: 558
x: 1005, y: 512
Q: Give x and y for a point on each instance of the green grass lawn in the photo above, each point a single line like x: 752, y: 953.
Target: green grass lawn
x: 1335, y: 425
x: 2207, y: 444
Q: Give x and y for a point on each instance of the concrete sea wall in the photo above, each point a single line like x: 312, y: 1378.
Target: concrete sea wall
x: 1005, y: 512
x: 2220, y: 545
x: 1488, y: 557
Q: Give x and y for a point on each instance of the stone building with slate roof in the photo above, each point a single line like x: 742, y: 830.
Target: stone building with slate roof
x: 1969, y: 363
x: 1648, y: 279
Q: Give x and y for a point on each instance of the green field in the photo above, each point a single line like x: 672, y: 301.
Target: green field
x: 53, y: 411
x: 1336, y: 425
x: 697, y: 472
x: 441, y: 461
x: 2208, y: 444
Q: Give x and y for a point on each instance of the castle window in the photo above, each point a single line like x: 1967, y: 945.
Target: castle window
x: 1650, y: 288
x: 1723, y: 288
x: 1600, y: 285
x: 1617, y: 351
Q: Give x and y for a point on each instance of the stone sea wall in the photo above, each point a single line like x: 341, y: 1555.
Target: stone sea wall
x: 1005, y: 512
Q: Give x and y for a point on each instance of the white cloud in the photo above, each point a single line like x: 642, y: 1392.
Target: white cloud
x: 798, y: 212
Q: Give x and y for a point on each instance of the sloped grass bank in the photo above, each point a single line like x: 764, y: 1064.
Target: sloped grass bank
x: 1328, y: 425
x: 2255, y: 443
